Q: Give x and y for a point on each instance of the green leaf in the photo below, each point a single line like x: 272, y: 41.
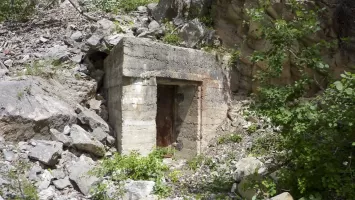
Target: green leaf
x: 339, y: 85
x: 353, y: 144
x: 349, y: 91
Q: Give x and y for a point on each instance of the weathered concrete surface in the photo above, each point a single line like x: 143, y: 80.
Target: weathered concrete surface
x: 187, y: 118
x: 138, y: 115
x: 132, y: 70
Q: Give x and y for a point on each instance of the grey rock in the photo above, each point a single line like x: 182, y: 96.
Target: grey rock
x: 144, y: 23
x: 94, y: 41
x: 90, y: 118
x: 3, y: 69
x: 45, y: 180
x: 106, y: 26
x: 62, y: 183
x: 77, y: 36
x: 148, y: 34
x: 66, y: 130
x: 95, y: 104
x: 141, y: 30
x: 110, y: 140
x: 9, y: 155
x: 164, y: 8
x: 142, y: 9
x: 66, y: 158
x: 35, y: 112
x: 192, y: 33
x: 60, y: 137
x: 170, y: 9
x: 47, y: 152
x: 9, y: 62
x: 113, y: 40
x: 99, y: 134
x: 34, y: 173
x: 151, y: 7
x: 153, y: 25
x: 77, y: 58
x: 78, y: 172
x: 283, y: 196
x: 248, y: 167
x: 83, y: 141
x: 47, y: 194
x: 58, y: 52
x: 43, y: 39
x: 58, y: 174
x: 136, y: 190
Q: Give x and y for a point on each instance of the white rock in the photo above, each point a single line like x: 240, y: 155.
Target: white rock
x: 47, y: 194
x: 8, y: 63
x: 283, y: 196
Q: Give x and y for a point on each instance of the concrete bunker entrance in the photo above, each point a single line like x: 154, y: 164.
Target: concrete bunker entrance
x: 178, y: 116
x: 165, y: 115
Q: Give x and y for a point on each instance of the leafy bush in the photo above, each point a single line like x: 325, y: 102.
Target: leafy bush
x: 196, y: 162
x: 317, y: 134
x: 124, y: 5
x: 16, y: 10
x: 171, y: 36
x: 234, y: 138
x: 135, y: 167
x: 19, y: 184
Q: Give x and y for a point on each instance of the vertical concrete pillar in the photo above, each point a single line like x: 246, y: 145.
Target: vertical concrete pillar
x: 139, y: 108
x: 214, y: 110
x: 187, y: 126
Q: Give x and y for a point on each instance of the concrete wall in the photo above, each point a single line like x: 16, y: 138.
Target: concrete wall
x: 143, y: 57
x: 187, y: 121
x: 139, y: 108
x: 113, y: 89
x: 132, y: 99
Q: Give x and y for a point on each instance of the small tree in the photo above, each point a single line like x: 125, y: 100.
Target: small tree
x: 16, y: 10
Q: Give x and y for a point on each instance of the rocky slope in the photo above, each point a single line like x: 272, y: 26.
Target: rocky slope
x: 52, y: 108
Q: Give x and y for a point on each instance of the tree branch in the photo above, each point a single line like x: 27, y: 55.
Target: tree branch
x: 81, y: 12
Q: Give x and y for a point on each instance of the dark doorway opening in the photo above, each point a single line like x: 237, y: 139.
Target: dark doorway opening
x: 165, y: 115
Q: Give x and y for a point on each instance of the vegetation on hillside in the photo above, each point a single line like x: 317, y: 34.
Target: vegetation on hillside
x: 16, y: 10
x: 120, y: 168
x: 317, y: 134
x: 123, y: 5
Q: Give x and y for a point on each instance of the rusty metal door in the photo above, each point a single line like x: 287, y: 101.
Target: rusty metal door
x: 165, y: 115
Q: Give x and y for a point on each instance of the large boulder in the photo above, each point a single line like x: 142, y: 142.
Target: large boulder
x: 90, y: 118
x: 83, y: 141
x: 79, y: 174
x: 47, y: 152
x: 192, y: 33
x: 248, y: 169
x: 177, y: 9
x: 27, y: 110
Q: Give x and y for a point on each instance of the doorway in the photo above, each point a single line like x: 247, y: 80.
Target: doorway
x: 165, y: 115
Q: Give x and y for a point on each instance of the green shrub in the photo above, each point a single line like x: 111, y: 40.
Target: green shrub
x: 196, y: 162
x: 135, y: 167
x: 19, y: 183
x: 252, y: 128
x: 16, y: 10
x: 172, y: 39
x: 317, y: 134
x: 171, y: 36
x: 124, y: 5
x: 234, y: 138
